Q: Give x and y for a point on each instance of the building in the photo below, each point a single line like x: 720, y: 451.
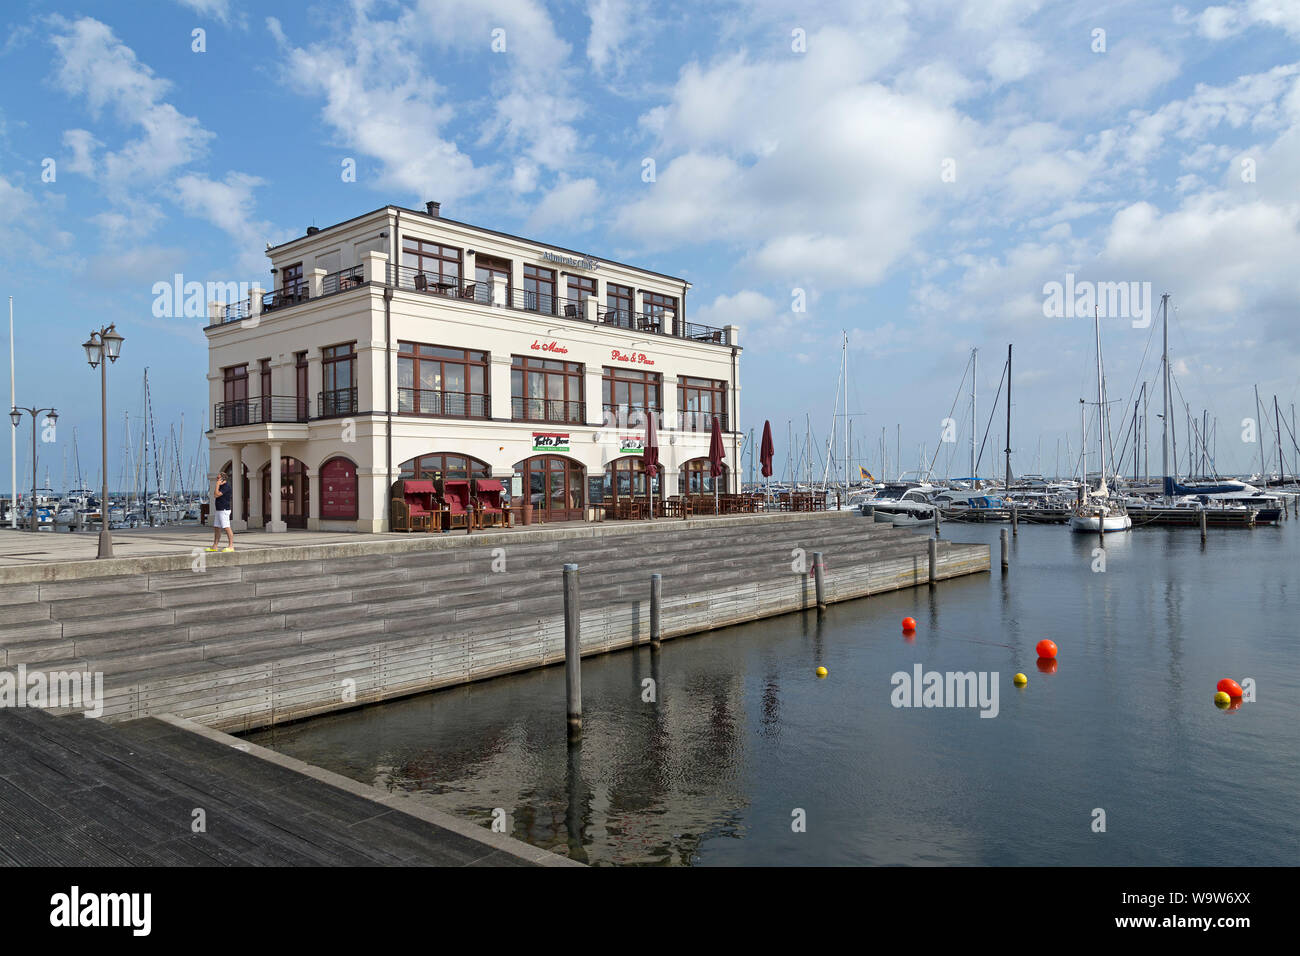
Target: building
x: 402, y: 344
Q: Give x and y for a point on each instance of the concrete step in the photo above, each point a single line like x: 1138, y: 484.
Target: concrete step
x: 35, y: 651
x: 31, y: 631
x: 130, y: 620
x: 22, y: 614
x: 103, y: 605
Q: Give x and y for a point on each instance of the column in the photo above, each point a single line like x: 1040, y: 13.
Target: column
x: 273, y: 480
x: 375, y: 267
x: 313, y: 499
x: 499, y: 386
x: 255, y: 517
x: 315, y: 281
x: 500, y: 290
x: 237, y: 522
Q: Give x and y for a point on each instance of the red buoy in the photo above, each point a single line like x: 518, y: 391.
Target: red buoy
x: 909, y: 624
x: 1229, y: 687
x: 1046, y: 649
x: 1047, y: 665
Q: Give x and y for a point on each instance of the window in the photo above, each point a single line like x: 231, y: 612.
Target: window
x: 291, y: 279
x: 432, y: 263
x: 544, y: 390
x: 265, y: 368
x: 438, y: 465
x: 652, y: 303
x: 338, y: 380
x: 618, y: 304
x: 699, y: 401
x: 233, y: 409
x: 539, y: 289
x: 626, y: 390
x: 486, y: 269
x: 433, y: 380
x: 578, y: 289
x: 693, y: 478
x: 338, y: 490
x: 300, y: 383
x: 625, y: 478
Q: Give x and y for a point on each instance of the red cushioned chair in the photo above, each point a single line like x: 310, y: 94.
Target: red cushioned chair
x: 413, y: 506
x: 457, y: 503
x: 487, y: 503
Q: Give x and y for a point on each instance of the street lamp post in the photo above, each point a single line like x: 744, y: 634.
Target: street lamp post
x: 101, y: 348
x: 16, y: 416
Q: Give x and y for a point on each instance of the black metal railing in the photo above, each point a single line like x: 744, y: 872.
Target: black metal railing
x: 339, y: 401
x: 258, y: 411
x: 548, y: 410
x: 700, y: 421
x: 343, y: 280
x: 629, y: 416
x: 440, y: 402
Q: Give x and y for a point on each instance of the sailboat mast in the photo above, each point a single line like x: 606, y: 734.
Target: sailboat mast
x: 1101, y: 402
x: 1008, y: 448
x: 1277, y: 423
x: 974, y: 364
x: 848, y: 422
x: 1259, y: 419
x: 1083, y: 448
x: 1164, y: 431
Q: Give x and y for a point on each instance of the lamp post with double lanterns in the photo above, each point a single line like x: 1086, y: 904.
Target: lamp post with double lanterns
x: 16, y: 416
x: 101, y: 348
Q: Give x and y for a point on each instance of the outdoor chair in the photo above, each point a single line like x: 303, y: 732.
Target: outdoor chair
x: 488, y: 509
x: 457, y: 502
x: 413, y: 507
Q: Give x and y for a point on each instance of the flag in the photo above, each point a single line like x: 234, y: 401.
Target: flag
x: 864, y: 474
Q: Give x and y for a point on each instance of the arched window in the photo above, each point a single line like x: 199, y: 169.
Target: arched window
x: 338, y: 490
x: 625, y: 478
x: 693, y: 478
x: 440, y: 464
x: 554, y: 486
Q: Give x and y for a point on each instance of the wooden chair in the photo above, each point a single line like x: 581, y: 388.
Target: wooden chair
x: 421, y: 282
x: 457, y: 504
x: 488, y: 510
x: 412, y: 506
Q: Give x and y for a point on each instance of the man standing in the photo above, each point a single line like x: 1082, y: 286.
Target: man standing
x: 221, y: 514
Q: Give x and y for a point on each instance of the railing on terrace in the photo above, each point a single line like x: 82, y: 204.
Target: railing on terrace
x: 629, y: 416
x: 689, y: 421
x: 548, y: 410
x: 442, y: 403
x: 339, y: 401
x: 484, y: 293
x: 262, y: 410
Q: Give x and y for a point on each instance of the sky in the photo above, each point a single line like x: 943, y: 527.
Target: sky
x: 914, y: 175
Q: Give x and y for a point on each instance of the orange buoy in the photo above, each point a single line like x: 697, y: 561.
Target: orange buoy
x: 1229, y: 687
x: 909, y: 624
x: 1047, y: 665
x: 1046, y: 649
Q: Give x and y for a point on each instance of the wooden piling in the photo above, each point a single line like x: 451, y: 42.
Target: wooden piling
x: 1015, y: 520
x: 572, y: 650
x: 656, y: 599
x: 819, y: 578
x: 934, y: 561
x: 936, y: 521
x: 1203, y: 526
x: 1002, y: 536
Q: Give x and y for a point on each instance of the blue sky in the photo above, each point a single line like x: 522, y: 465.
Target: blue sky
x: 916, y: 172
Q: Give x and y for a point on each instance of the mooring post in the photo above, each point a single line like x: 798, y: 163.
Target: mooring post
x: 1002, y: 536
x: 936, y: 521
x: 1015, y: 520
x: 656, y: 596
x: 819, y: 578
x: 934, y: 560
x: 1202, y: 526
x: 572, y: 650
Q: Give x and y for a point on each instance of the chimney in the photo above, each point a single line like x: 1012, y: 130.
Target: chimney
x: 312, y: 230
x: 433, y: 208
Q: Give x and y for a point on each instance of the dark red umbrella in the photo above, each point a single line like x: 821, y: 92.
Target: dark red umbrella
x: 766, y: 451
x: 716, y: 454
x: 650, y: 457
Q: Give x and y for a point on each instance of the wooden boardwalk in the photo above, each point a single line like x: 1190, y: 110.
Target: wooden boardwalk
x: 81, y: 792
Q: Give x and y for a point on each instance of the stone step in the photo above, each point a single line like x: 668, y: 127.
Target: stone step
x: 28, y: 632
x: 103, y: 605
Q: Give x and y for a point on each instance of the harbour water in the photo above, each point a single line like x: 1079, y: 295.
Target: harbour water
x: 743, y: 739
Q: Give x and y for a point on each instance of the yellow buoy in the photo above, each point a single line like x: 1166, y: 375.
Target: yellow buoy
x: 822, y: 672
x: 1020, y: 680
x: 1221, y: 699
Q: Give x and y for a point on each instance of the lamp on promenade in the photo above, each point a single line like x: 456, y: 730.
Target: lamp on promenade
x: 16, y: 416
x: 104, y: 344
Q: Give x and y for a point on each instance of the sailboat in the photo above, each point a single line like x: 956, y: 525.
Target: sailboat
x: 1099, y: 513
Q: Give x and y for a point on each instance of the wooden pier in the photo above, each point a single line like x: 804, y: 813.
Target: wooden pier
x: 258, y: 637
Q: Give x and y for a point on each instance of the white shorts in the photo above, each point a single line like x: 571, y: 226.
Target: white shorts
x: 221, y: 519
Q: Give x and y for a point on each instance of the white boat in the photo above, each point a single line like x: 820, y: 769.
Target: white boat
x: 902, y: 504
x: 1100, y: 513
x: 1100, y: 517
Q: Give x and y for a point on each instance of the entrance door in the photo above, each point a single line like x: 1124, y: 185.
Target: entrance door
x: 555, y: 487
x: 293, y: 493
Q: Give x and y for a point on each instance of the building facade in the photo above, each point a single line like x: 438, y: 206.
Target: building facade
x: 403, y: 344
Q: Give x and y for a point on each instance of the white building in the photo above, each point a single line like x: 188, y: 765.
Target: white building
x: 402, y: 344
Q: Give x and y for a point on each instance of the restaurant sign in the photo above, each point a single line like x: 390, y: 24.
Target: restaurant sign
x: 631, y: 444
x: 581, y: 263
x: 550, y: 441
x: 540, y: 346
x: 632, y: 358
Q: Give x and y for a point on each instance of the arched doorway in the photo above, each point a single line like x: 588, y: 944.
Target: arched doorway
x: 693, y: 478
x: 555, y: 486
x: 625, y: 478
x: 226, y: 469
x: 293, y: 492
x: 338, y: 490
x: 443, y: 464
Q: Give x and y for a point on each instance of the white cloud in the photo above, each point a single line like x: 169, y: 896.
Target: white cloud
x: 571, y: 204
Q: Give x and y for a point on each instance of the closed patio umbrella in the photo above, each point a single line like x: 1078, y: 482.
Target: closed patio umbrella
x: 716, y: 454
x: 650, y: 458
x: 766, y: 452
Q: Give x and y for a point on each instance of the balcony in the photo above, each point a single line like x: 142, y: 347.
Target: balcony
x: 440, y: 403
x: 693, y: 421
x: 629, y: 416
x: 264, y: 410
x: 552, y: 411
x: 339, y: 401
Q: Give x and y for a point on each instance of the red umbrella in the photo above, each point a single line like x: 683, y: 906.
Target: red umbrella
x: 716, y: 454
x: 766, y: 452
x: 650, y: 456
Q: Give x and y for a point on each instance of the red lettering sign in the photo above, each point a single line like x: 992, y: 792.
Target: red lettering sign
x: 556, y: 347
x: 635, y: 358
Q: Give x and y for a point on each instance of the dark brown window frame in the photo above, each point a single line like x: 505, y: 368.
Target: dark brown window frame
x: 542, y: 302
x: 431, y: 258
x: 465, y: 362
x: 571, y: 372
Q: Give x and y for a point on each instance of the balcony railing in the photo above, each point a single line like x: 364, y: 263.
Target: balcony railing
x: 263, y: 410
x: 551, y: 410
x: 339, y: 401
x: 629, y: 416
x: 700, y: 421
x: 441, y: 403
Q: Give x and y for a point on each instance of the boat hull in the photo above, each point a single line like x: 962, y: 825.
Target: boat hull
x: 1100, y: 524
